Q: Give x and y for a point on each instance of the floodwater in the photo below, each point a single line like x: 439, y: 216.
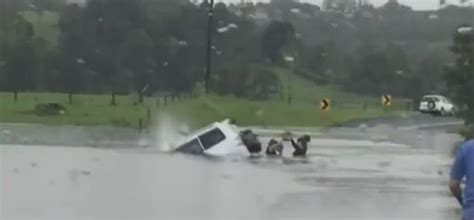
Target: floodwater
x: 384, y: 173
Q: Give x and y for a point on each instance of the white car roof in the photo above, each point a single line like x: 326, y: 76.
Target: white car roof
x: 228, y: 129
x: 434, y: 96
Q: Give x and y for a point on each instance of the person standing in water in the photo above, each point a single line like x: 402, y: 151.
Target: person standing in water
x: 274, y: 148
x: 301, y: 145
x: 250, y: 140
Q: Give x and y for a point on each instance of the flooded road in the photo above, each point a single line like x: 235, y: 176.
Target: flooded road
x: 362, y: 172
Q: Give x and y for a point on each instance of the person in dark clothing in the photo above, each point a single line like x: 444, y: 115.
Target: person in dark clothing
x: 274, y: 148
x: 251, y: 141
x: 301, y: 145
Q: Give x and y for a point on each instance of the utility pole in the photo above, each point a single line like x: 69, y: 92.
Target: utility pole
x: 210, y: 26
x: 291, y: 61
x: 2, y: 23
x: 3, y: 31
x: 4, y: 35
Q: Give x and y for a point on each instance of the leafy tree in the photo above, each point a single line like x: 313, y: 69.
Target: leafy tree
x: 275, y: 38
x: 460, y: 77
x: 178, y: 38
x: 41, y: 6
x: 136, y: 57
x: 371, y: 75
x: 72, y: 58
x: 94, y: 35
x: 43, y: 55
x: 118, y: 46
x: 247, y: 81
x: 431, y: 67
x: 20, y: 68
x: 18, y: 54
x: 313, y: 63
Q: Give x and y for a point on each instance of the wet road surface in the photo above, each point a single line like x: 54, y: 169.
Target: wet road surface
x: 380, y: 170
x: 410, y: 121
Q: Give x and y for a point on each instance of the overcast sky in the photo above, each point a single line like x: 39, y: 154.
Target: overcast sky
x: 415, y: 4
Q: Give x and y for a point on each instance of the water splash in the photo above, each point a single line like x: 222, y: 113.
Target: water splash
x: 168, y: 131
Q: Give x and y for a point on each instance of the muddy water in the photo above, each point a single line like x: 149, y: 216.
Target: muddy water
x: 74, y: 183
x: 384, y: 173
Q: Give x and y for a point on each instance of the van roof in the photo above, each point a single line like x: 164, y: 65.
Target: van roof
x: 433, y: 96
x: 224, y: 126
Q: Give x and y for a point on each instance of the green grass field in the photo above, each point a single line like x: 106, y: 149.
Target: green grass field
x: 96, y: 110
x: 85, y: 110
x: 203, y: 110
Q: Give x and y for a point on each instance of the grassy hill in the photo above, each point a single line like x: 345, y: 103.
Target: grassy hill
x: 307, y: 92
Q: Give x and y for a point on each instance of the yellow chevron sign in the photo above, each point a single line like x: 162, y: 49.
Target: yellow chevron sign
x: 387, y: 100
x: 325, y: 104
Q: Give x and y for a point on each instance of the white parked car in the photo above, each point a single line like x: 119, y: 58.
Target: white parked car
x: 437, y: 104
x: 218, y: 139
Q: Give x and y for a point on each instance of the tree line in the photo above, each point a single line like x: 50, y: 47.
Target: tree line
x: 153, y: 46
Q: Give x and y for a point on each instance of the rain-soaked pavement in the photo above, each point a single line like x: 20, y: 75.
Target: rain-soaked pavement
x: 379, y: 170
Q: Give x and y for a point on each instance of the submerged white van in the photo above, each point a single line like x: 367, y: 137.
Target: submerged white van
x: 219, y: 139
